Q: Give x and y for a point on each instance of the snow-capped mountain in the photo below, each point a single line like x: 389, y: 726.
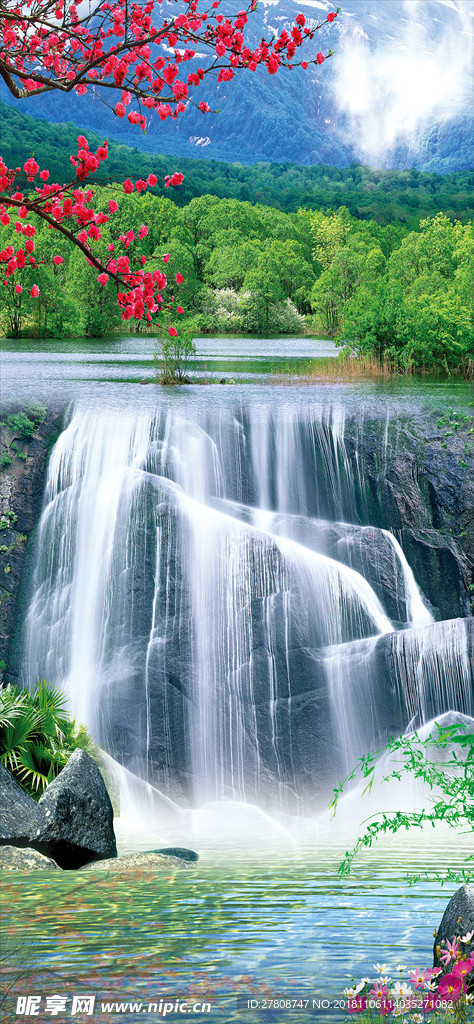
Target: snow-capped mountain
x: 397, y: 93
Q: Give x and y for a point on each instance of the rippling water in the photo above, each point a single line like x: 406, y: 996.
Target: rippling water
x: 263, y: 922
x: 91, y: 370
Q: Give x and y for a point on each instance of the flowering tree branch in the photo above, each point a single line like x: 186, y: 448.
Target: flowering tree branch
x: 155, y: 65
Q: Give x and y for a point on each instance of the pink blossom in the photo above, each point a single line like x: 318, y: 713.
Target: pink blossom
x: 450, y: 953
x: 450, y: 988
x: 419, y: 977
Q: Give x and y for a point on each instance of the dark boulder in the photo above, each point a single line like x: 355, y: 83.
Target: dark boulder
x: 76, y: 823
x: 457, y: 921
x: 19, y: 815
x: 14, y: 858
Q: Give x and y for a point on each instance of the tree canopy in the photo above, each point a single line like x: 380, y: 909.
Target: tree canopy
x: 131, y: 57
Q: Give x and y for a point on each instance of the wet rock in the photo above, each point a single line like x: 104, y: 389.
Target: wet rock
x: 21, y: 496
x: 457, y: 921
x: 178, y: 851
x: 76, y: 823
x: 14, y: 858
x: 19, y: 815
x: 153, y: 860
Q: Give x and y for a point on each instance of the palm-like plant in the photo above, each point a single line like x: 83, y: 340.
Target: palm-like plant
x: 37, y: 736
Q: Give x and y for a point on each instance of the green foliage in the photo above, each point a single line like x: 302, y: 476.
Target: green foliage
x: 36, y: 735
x: 417, y: 310
x: 36, y: 411
x: 444, y: 762
x: 21, y: 424
x: 388, y: 196
x: 402, y: 297
x: 172, y: 356
x: 5, y: 460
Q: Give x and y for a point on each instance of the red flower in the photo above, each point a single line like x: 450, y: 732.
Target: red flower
x: 330, y: 17
x: 31, y: 168
x: 35, y: 291
x: 320, y: 58
x: 172, y: 332
x: 179, y: 278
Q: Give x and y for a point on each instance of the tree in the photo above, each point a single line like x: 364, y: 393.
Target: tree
x: 126, y: 54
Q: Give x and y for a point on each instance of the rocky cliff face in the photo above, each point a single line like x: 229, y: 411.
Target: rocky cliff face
x: 424, y: 493
x: 23, y: 464
x: 226, y: 650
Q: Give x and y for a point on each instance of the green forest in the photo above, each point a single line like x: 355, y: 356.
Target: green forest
x: 384, y: 195
x: 382, y: 282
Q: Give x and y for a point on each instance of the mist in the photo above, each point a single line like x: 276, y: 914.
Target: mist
x: 394, y: 78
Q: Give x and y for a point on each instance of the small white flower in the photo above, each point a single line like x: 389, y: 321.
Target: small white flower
x: 417, y: 1018
x: 350, y: 993
x: 367, y: 981
x: 385, y: 981
x: 380, y: 968
x: 401, y: 967
x: 401, y: 990
x: 468, y: 937
x: 398, y: 1010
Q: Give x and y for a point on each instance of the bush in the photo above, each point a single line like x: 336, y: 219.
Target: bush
x: 20, y: 424
x: 37, y: 736
x: 172, y: 357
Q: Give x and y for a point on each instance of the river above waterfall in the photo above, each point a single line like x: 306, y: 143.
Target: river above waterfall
x: 105, y: 369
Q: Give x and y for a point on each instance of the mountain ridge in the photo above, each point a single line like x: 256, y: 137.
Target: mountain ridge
x: 381, y: 100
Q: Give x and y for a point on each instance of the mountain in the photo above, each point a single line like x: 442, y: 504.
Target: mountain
x: 396, y: 94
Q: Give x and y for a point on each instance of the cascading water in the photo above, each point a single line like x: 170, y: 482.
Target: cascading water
x: 209, y: 592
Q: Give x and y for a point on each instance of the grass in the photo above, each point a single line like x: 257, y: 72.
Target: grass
x: 335, y: 370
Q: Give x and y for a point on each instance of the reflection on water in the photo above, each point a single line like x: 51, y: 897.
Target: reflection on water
x: 92, y: 369
x: 268, y: 919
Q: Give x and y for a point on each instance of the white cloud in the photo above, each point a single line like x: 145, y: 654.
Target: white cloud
x: 389, y: 91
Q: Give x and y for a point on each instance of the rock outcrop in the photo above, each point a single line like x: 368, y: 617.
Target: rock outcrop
x: 76, y: 816
x: 457, y: 922
x: 152, y: 860
x: 19, y: 815
x: 16, y: 858
x: 22, y: 479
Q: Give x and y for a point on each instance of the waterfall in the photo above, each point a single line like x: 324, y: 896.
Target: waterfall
x: 208, y: 592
